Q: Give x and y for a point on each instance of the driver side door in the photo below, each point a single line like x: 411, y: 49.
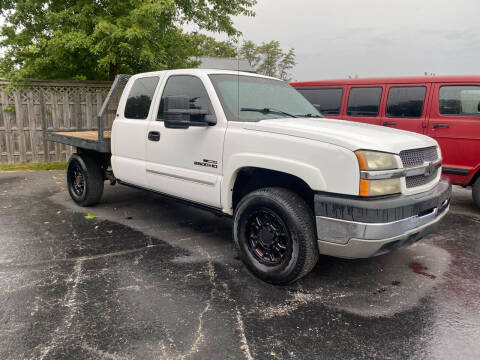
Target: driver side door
x: 186, y: 163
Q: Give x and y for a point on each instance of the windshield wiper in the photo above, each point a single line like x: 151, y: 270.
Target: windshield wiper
x: 268, y: 111
x: 309, y: 116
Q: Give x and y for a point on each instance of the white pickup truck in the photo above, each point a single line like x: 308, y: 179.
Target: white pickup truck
x: 248, y: 146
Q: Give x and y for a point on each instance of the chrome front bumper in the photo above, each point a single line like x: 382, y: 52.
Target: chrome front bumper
x: 346, y: 236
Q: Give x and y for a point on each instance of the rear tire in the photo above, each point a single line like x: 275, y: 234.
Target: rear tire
x: 476, y: 192
x: 85, y: 180
x: 274, y: 233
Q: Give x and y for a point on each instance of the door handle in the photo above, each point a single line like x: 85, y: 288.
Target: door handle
x: 154, y: 136
x: 436, y: 126
x: 389, y: 123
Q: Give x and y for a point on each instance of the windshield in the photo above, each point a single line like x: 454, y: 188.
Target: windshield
x: 250, y: 98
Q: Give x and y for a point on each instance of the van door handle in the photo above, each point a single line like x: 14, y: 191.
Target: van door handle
x: 154, y: 136
x: 436, y: 126
x: 389, y: 123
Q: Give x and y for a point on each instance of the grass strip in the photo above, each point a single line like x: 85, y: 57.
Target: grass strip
x: 33, y: 166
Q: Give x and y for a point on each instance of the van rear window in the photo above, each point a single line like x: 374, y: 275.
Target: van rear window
x: 459, y: 100
x: 364, y: 101
x: 327, y: 100
x: 406, y: 101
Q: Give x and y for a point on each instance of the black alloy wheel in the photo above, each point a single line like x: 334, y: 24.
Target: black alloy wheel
x: 268, y: 237
x: 77, y: 179
x: 85, y: 180
x: 274, y: 234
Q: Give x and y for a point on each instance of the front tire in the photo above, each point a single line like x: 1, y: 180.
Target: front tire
x: 476, y: 192
x: 85, y: 180
x: 274, y: 233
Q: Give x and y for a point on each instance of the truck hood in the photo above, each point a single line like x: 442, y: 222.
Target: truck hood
x: 347, y: 134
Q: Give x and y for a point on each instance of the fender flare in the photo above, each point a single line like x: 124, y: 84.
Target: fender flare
x: 308, y: 173
x: 474, y: 175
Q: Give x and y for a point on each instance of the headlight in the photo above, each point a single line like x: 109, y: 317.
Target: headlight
x: 372, y: 161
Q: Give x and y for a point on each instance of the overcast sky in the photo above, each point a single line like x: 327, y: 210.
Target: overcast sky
x: 337, y: 38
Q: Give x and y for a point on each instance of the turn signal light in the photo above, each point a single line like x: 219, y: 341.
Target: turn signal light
x: 379, y: 187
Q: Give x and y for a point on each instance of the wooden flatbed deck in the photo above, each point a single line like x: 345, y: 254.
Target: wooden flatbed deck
x: 85, y: 135
x: 81, y: 139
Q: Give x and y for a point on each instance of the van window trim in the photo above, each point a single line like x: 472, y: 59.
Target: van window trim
x: 442, y: 84
x: 376, y: 86
x: 340, y: 87
x: 422, y: 115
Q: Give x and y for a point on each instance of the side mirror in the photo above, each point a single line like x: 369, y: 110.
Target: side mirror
x: 175, y: 115
x: 178, y: 115
x: 478, y: 107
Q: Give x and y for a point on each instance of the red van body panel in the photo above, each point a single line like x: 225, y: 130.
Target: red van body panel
x: 459, y: 139
x: 458, y: 135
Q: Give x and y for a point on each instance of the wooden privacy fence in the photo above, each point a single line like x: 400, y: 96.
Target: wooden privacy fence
x: 46, y: 105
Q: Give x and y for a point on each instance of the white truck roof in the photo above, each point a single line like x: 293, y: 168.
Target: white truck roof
x: 201, y: 72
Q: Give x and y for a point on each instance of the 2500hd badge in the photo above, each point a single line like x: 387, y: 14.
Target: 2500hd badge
x: 207, y: 163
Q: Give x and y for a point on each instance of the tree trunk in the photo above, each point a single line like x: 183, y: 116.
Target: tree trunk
x: 112, y: 71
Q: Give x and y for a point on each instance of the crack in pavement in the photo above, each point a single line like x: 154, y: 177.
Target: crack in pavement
x: 163, y: 346
x: 240, y: 324
x: 199, y: 333
x: 102, y: 354
x: 225, y: 294
x: 78, y: 258
x: 70, y: 301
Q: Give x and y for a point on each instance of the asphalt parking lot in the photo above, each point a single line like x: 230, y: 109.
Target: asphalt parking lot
x: 149, y: 278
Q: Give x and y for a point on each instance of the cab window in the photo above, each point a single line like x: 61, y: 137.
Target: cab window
x: 459, y: 100
x: 140, y: 98
x: 364, y: 101
x: 191, y: 87
x: 406, y: 101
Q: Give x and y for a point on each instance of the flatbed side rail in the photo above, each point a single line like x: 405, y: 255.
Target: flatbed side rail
x: 95, y: 139
x: 108, y: 111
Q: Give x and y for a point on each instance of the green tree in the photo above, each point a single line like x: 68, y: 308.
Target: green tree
x: 249, y: 52
x: 86, y: 39
x: 269, y: 58
x: 207, y: 46
x: 286, y: 63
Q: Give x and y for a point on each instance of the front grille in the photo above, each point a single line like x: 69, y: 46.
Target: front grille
x: 417, y: 157
x: 419, y: 180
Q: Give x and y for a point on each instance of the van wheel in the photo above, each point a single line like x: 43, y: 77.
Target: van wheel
x: 85, y: 180
x: 476, y: 192
x: 274, y: 234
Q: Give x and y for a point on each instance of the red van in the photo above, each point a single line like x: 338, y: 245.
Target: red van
x: 447, y: 108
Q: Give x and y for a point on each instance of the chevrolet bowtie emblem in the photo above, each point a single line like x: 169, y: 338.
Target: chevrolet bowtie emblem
x: 429, y: 169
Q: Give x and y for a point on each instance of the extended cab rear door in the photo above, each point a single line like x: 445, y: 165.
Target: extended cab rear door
x: 129, y: 130
x: 187, y: 163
